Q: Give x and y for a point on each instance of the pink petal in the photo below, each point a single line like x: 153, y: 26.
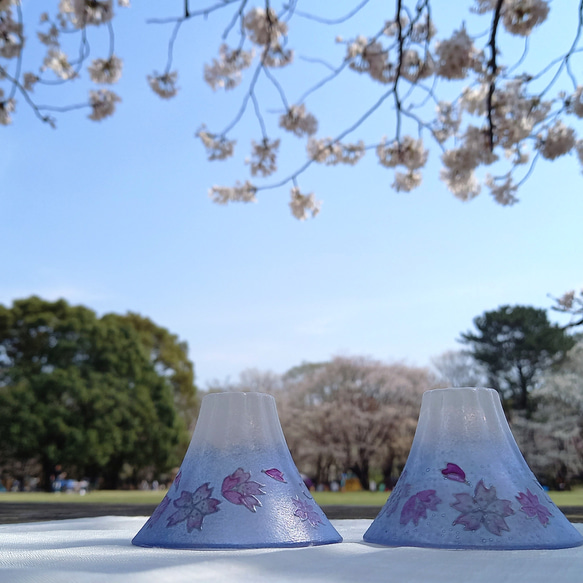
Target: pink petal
x: 194, y: 521
x: 252, y: 488
x: 454, y: 472
x: 413, y: 510
x: 178, y: 516
x: 484, y: 496
x: 201, y: 493
x: 464, y: 503
x: 250, y: 502
x: 275, y: 474
x: 208, y: 506
x: 233, y: 497
x: 429, y: 499
x: 184, y: 500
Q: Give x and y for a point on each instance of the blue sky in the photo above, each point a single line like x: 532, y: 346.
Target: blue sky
x: 115, y: 215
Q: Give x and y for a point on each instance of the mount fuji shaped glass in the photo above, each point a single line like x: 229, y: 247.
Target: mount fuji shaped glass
x: 466, y: 485
x: 238, y: 486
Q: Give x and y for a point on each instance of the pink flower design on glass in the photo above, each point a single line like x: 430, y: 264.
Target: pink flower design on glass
x: 275, y: 474
x: 193, y: 507
x: 304, y: 511
x: 239, y: 489
x: 417, y: 506
x: 483, y: 508
x: 531, y: 506
x: 158, y: 512
x: 454, y: 472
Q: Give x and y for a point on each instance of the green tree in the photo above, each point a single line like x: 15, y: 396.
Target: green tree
x: 82, y: 391
x: 516, y: 344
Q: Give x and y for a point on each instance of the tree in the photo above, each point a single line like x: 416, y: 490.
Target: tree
x: 477, y: 96
x: 458, y: 368
x: 551, y: 439
x: 351, y: 414
x: 516, y: 344
x: 81, y: 391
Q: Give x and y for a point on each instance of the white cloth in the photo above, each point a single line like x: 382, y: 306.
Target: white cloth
x: 90, y: 550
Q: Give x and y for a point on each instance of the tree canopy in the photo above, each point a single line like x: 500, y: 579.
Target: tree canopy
x: 85, y: 392
x: 489, y: 83
x: 515, y: 344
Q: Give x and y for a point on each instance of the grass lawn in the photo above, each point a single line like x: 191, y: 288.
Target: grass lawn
x: 572, y: 498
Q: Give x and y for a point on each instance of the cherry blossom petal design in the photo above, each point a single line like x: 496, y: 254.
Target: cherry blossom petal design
x: 239, y: 489
x: 484, y: 508
x: 193, y: 507
x: 416, y: 507
x: 454, y: 472
x: 275, y: 474
x: 304, y: 511
x: 158, y: 512
x: 531, y: 506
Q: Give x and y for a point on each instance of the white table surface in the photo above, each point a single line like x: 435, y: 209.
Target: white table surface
x: 99, y: 550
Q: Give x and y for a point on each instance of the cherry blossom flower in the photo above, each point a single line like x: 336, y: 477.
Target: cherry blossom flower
x: 275, y: 474
x: 302, y: 204
x: 6, y: 108
x: 164, y: 85
x: 106, y: 70
x: 305, y: 512
x: 457, y: 55
x: 102, y: 104
x: 521, y: 16
x: 482, y: 509
x: 226, y: 71
x: 193, y: 507
x: 330, y: 152
x: 218, y: 147
x: 58, y: 62
x: 558, y: 140
x: 239, y: 193
x: 82, y: 13
x: 263, y: 159
x: 158, y: 512
x: 531, y: 506
x: 11, y: 36
x: 277, y: 56
x: 29, y: 81
x: 50, y: 38
x: 263, y: 27
x: 407, y: 152
x: 504, y: 192
x: 414, y: 68
x: 298, y: 121
x: 417, y: 506
x: 575, y: 102
x: 370, y: 57
x: 407, y: 181
x: 238, y: 488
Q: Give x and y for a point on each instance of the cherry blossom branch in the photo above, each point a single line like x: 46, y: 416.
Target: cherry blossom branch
x: 493, y: 68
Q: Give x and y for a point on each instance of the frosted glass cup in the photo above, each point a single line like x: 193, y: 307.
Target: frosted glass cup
x: 238, y: 486
x: 466, y: 485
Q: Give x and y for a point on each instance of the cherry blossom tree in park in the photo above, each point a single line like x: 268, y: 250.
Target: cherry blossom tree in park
x: 501, y: 116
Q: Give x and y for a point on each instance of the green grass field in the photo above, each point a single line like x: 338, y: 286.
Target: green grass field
x: 572, y: 498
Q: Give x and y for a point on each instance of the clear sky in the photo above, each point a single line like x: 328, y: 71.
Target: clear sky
x: 115, y: 215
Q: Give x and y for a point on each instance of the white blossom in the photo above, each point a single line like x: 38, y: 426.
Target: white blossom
x: 575, y: 102
x: 263, y: 160
x: 5, y: 4
x: 106, y: 70
x: 164, y: 85
x: 124, y: 3
x: 277, y: 56
x: 463, y: 184
x: 218, y: 147
x: 408, y: 152
x: 504, y: 192
x: 448, y: 121
x: 226, y: 71
x: 58, y: 62
x: 521, y: 16
x: 302, y: 204
x: 566, y: 300
x: 6, y: 108
x: 370, y: 57
x: 50, y: 38
x: 11, y: 37
x: 407, y: 181
x: 29, y: 81
x: 298, y: 121
x: 483, y: 6
x: 239, y: 193
x: 330, y: 152
x: 413, y: 67
x: 457, y: 55
x: 558, y: 140
x: 82, y: 13
x: 263, y: 27
x: 102, y: 104
x: 579, y: 150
